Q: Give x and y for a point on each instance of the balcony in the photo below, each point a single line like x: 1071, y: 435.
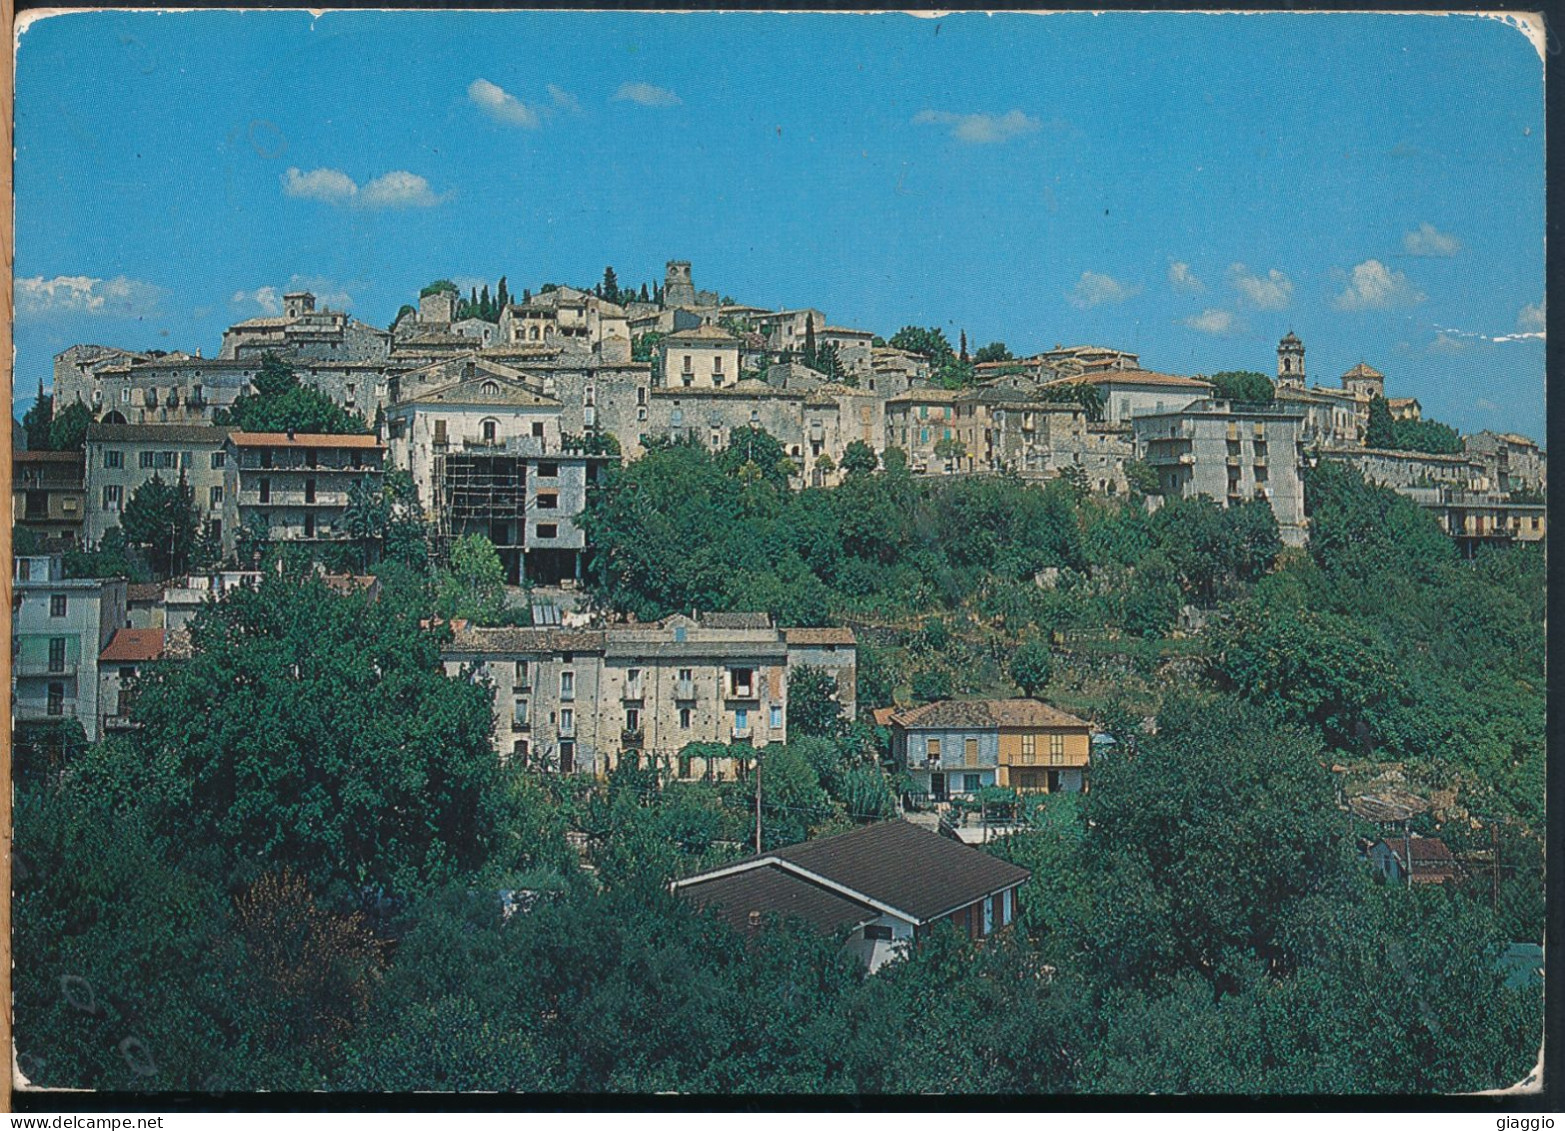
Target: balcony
x: 520, y: 724
x: 34, y: 666
x: 631, y: 740
x: 685, y: 689
x: 742, y: 733
x: 277, y: 498
x: 633, y: 693
x: 743, y: 691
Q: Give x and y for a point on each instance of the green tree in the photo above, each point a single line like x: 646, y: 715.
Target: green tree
x: 931, y: 684
x: 994, y: 351
x: 1381, y: 432
x: 279, y: 403
x: 813, y: 706
x: 645, y: 347
x: 1142, y: 478
x: 1426, y: 436
x: 1243, y: 385
x: 439, y: 286
x: 1089, y: 396
x: 931, y: 342
x: 162, y: 519
x: 38, y: 420
x: 859, y: 458
x: 68, y: 430
x: 110, y: 558
x: 472, y: 586
x: 610, y: 289
x: 1031, y: 666
x: 950, y: 449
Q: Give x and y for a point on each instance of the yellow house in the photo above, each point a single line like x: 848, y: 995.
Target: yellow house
x: 958, y: 747
x: 1041, y: 747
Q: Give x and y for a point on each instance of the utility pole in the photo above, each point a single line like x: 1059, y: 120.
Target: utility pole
x: 758, y: 802
x: 1494, y: 845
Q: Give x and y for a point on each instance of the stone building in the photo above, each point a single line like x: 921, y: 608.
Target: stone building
x: 48, y: 496
x: 487, y: 457
x: 576, y: 701
x: 708, y: 416
x: 59, y: 626
x: 1512, y: 462
x: 855, y: 348
x: 120, y: 458
x: 1128, y: 393
x: 1402, y: 471
x: 570, y: 318
x: 295, y: 486
x: 129, y: 652
x: 305, y: 332
x: 1229, y: 454
x: 706, y: 357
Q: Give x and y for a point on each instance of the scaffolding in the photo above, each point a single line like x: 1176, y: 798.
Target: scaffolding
x: 485, y: 492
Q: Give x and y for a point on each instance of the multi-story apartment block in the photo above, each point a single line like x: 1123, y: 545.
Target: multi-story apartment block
x: 59, y: 627
x: 1128, y: 393
x: 295, y: 486
x: 48, y: 496
x: 1229, y: 454
x: 122, y: 457
x: 576, y: 701
x: 955, y: 748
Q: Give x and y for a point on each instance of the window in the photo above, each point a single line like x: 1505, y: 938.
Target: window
x: 567, y: 720
x: 548, y: 471
x: 777, y: 718
x: 717, y: 364
x: 489, y: 431
x: 24, y: 569
x: 265, y: 490
x: 567, y: 757
x: 57, y: 604
x: 877, y: 932
x: 632, y: 718
x: 125, y: 395
x: 519, y: 713
x: 932, y: 749
x: 145, y: 460
x: 309, y: 525
x: 684, y: 718
x: 219, y: 460
x: 491, y: 389
x: 56, y: 699
x: 440, y: 431
x: 57, y: 654
x: 970, y: 751
x: 113, y: 457
x: 521, y: 674
x: 1029, y: 749
x: 538, y: 429
x: 1056, y: 749
x: 519, y: 748
x: 549, y: 502
x: 688, y: 364
x: 567, y: 685
x: 113, y: 497
x: 686, y: 675
x: 266, y: 457
x: 548, y: 530
x: 184, y: 460
x: 641, y: 396
x: 971, y: 783
x: 309, y: 490
x: 215, y: 497
x: 641, y: 414
x: 676, y: 417
x: 742, y: 719
x: 742, y: 681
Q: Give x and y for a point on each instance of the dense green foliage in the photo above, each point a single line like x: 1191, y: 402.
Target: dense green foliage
x: 1409, y: 435
x: 37, y: 421
x: 306, y: 869
x: 276, y: 402
x: 161, y: 518
x: 1242, y: 385
x: 471, y: 586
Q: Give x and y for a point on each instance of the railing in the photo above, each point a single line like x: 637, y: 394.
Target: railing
x: 31, y: 666
x: 293, y: 499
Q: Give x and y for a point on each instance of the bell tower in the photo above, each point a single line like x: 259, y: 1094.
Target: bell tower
x: 1290, y: 361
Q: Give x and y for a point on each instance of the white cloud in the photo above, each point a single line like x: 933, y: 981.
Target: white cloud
x: 1533, y: 316
x: 564, y: 99
x: 502, y: 107
x: 397, y: 189
x: 979, y: 129
x: 118, y: 297
x: 1449, y: 343
x: 331, y: 185
x: 1272, y: 291
x: 1181, y: 278
x: 1093, y: 289
x: 1430, y: 241
x: 1373, y: 286
x: 645, y: 94
x: 267, y: 298
x: 1213, y: 322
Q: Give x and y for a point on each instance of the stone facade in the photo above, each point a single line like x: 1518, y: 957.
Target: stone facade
x: 120, y: 458
x: 295, y: 485
x: 1513, y: 463
x: 48, y: 496
x: 305, y: 332
x: 576, y: 701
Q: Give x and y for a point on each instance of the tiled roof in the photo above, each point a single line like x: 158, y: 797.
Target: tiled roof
x: 47, y: 457
x: 979, y: 714
x: 1362, y: 370
x: 138, y: 592
x: 174, y: 433
x: 714, y: 335
x: 1132, y: 377
x: 921, y: 874
x: 808, y: 636
x: 503, y: 640
x: 133, y: 646
x: 1428, y: 851
x: 736, y: 620
x: 772, y: 890
x: 302, y: 440
x: 926, y: 395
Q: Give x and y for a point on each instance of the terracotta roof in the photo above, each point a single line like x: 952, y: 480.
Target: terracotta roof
x: 302, y: 440
x: 503, y: 640
x: 712, y: 334
x: 265, y: 323
x: 1132, y: 377
x: 349, y: 582
x: 807, y: 636
x: 1396, y: 401
x: 883, y: 716
x: 920, y: 874
x: 1426, y: 850
x: 979, y: 714
x: 1362, y: 370
x: 133, y: 646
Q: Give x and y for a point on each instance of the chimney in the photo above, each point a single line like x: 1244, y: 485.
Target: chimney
x: 290, y: 433
x: 470, y: 370
x: 755, y: 919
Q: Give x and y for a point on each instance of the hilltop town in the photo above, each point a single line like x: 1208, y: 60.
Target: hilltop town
x: 634, y: 649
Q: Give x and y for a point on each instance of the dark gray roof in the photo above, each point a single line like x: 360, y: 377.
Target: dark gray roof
x: 919, y: 873
x: 776, y: 891
x: 149, y: 433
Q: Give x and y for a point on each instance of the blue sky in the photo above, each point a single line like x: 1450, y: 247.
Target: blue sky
x: 1186, y: 186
